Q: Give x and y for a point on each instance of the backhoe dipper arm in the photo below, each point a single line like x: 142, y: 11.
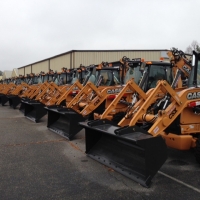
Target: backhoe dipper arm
x: 180, y: 61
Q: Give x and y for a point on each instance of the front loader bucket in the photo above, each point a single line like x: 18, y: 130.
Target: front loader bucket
x: 14, y: 101
x: 64, y: 121
x: 3, y: 99
x: 34, y: 110
x: 0, y: 97
x: 129, y: 150
x: 22, y: 105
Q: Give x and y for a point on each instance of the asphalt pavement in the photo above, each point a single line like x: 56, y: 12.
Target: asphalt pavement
x: 36, y: 163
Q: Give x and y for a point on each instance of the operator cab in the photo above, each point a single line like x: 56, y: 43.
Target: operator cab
x: 155, y: 71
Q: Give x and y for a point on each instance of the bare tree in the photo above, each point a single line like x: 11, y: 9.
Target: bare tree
x: 193, y: 46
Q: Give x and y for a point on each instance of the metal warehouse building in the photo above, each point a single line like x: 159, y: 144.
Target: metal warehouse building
x: 73, y: 59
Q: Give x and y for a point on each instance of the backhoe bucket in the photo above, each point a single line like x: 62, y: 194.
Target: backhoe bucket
x: 34, y: 110
x: 64, y: 121
x: 14, y: 101
x: 3, y: 99
x: 129, y: 150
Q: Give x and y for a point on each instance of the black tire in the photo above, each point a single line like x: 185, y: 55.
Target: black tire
x: 197, y: 150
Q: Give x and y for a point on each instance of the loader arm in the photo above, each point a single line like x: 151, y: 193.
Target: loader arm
x: 119, y: 91
x: 19, y: 88
x: 54, y: 91
x: 132, y: 87
x: 51, y: 88
x: 29, y: 91
x: 54, y: 99
x: 36, y: 83
x: 82, y: 95
x: 178, y: 103
x: 100, y: 96
x: 47, y: 89
x: 39, y: 90
x: 8, y: 88
x: 67, y: 95
x: 79, y: 77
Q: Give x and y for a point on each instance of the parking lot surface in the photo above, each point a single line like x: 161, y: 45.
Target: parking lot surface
x: 36, y: 163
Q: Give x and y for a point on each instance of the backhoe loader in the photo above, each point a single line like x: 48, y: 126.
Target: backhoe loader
x: 135, y: 146
x: 14, y: 96
x: 41, y: 81
x: 33, y: 109
x: 92, y: 99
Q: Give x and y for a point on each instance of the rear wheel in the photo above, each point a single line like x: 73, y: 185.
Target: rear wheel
x: 197, y: 150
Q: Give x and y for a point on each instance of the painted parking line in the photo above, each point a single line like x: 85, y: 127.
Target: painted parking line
x: 181, y: 182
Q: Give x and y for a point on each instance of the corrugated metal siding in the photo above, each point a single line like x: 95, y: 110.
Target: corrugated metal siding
x: 42, y: 66
x: 60, y: 62
x: 73, y: 59
x: 87, y: 58
x: 21, y: 71
x: 27, y: 69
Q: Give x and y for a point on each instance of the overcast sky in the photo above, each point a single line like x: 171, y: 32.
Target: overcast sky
x: 33, y: 30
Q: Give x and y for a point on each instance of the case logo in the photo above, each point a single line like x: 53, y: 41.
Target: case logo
x: 193, y: 95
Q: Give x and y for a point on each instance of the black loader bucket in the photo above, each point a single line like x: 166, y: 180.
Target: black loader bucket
x: 14, y: 101
x: 3, y: 99
x: 34, y: 110
x: 129, y: 150
x: 22, y: 105
x: 0, y: 97
x: 64, y: 121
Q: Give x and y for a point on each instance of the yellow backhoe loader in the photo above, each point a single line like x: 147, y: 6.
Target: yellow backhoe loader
x: 39, y: 83
x: 14, y: 96
x: 135, y: 146
x: 32, y: 108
